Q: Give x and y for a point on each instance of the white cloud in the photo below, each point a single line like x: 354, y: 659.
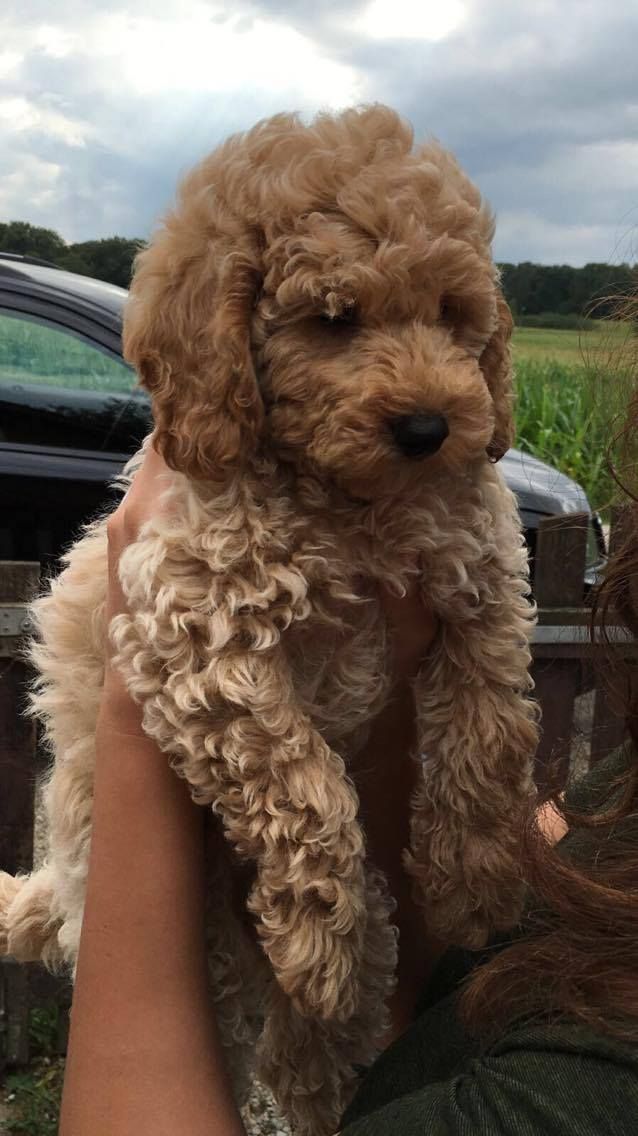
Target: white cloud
x: 411, y: 19
x: 35, y: 181
x: 10, y: 63
x: 19, y: 115
x: 55, y: 41
x: 213, y: 52
x: 563, y: 243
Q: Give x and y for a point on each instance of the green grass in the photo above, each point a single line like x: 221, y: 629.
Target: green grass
x: 560, y: 421
x: 571, y: 395
x: 574, y: 348
x: 33, y: 1094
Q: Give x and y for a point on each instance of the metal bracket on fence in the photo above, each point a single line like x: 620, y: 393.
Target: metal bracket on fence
x: 14, y: 619
x: 578, y: 634
x: 15, y: 622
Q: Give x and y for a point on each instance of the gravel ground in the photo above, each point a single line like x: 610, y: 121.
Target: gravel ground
x: 260, y: 1115
x: 581, y: 737
x: 4, y: 1118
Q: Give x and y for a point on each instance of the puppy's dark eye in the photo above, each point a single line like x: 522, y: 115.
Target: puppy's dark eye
x: 450, y: 311
x: 347, y: 317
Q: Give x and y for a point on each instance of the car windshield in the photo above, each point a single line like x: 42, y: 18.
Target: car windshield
x: 38, y: 353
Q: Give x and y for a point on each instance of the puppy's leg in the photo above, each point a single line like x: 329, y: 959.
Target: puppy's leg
x: 312, y: 1066
x: 477, y: 738
x: 287, y: 804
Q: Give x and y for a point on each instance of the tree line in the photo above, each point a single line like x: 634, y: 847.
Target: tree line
x: 532, y: 290
x: 594, y: 290
x: 109, y: 259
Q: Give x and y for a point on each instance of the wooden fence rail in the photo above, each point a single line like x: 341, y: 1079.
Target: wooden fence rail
x: 563, y: 670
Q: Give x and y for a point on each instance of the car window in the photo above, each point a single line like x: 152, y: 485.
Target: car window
x: 38, y: 354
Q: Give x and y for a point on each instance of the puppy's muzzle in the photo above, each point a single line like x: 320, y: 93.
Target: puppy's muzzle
x: 419, y: 435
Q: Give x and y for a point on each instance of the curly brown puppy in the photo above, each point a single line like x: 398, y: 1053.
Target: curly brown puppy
x: 320, y: 326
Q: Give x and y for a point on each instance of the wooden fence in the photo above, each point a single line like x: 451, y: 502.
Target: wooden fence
x: 569, y: 661
x: 563, y: 671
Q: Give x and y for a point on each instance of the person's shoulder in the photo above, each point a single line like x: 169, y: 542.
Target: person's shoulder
x: 538, y: 1080
x: 561, y: 1045
x: 573, y: 1077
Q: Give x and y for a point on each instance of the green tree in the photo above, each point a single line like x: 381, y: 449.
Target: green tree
x: 600, y: 286
x: 110, y: 259
x: 560, y: 289
x: 31, y: 240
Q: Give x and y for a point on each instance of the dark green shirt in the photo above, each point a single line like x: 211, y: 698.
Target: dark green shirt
x: 552, y: 1079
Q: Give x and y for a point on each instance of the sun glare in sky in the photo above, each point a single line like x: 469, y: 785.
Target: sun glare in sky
x: 412, y: 19
x: 225, y: 54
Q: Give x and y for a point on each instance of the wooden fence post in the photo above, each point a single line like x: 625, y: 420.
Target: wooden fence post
x: 558, y: 587
x: 19, y: 582
x: 609, y: 726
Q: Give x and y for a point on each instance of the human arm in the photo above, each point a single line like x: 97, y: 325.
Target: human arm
x: 144, y: 1052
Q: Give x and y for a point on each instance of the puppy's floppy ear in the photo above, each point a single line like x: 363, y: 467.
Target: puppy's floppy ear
x: 496, y: 365
x: 187, y: 332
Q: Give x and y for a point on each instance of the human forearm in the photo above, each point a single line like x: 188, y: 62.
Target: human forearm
x: 144, y: 1055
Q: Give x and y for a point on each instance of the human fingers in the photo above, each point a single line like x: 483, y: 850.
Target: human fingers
x: 413, y: 629
x: 143, y: 500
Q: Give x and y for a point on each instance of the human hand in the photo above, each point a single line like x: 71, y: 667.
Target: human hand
x: 142, y: 501
x: 413, y: 629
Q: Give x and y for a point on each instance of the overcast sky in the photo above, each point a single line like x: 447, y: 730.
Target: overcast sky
x: 103, y: 104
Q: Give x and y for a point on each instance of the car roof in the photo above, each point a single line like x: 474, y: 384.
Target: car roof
x: 540, y: 487
x: 95, y: 297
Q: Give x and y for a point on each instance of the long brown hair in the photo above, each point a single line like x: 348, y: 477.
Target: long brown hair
x: 576, y: 956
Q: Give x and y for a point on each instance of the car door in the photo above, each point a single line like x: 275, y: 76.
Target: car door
x: 64, y: 389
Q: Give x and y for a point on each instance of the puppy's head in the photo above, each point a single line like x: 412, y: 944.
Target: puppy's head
x: 327, y: 293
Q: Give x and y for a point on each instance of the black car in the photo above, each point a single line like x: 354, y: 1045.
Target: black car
x: 70, y: 416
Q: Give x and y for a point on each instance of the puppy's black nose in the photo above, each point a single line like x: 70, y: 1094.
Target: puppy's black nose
x: 419, y: 435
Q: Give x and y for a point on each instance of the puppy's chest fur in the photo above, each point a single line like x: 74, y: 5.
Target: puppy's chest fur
x: 284, y: 569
